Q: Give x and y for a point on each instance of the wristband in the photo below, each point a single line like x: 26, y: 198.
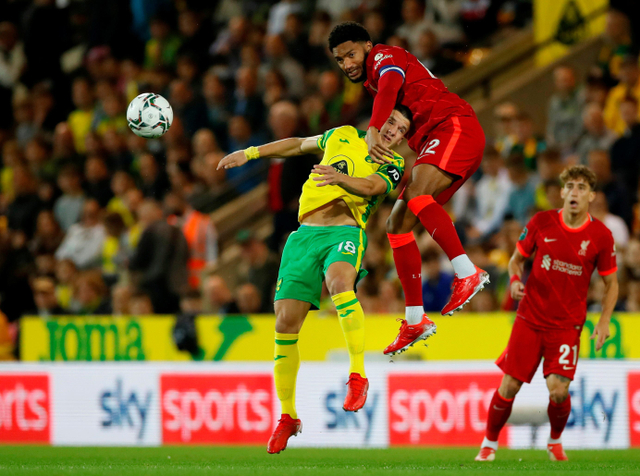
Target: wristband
x: 251, y: 153
x: 513, y: 279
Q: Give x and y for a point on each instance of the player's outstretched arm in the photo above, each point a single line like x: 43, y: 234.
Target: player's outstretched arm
x: 282, y: 148
x: 388, y: 87
x: 609, y: 300
x: 362, y: 186
x: 516, y: 266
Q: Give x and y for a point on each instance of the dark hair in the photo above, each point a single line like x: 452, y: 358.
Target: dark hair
x: 347, y: 31
x: 405, y: 111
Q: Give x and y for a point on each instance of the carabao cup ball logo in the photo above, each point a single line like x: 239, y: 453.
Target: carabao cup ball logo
x: 149, y: 115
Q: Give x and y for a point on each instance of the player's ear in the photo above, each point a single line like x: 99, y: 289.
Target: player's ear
x: 563, y: 192
x: 592, y: 196
x: 368, y: 46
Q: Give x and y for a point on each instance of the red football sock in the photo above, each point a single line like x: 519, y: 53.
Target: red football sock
x: 558, y: 416
x: 409, y: 266
x: 499, y: 411
x: 438, y: 223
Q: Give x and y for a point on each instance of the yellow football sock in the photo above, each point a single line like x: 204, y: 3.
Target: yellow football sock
x: 285, y: 371
x: 352, y: 323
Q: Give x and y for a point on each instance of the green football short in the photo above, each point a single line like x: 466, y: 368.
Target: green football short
x: 308, y: 254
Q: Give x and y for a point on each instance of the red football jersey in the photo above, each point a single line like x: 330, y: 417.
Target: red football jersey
x: 555, y: 295
x: 428, y: 98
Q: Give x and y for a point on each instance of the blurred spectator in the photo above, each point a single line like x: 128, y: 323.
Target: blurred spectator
x: 64, y: 150
x: 278, y: 15
x: 68, y: 208
x: 81, y: 118
x: 121, y: 299
x: 443, y: 18
x: 162, y: 47
x: 25, y: 128
x: 522, y: 199
x: 564, y: 117
x: 66, y: 275
x: 98, y: 185
x: 44, y: 292
x: 219, y: 296
x: 241, y: 136
x: 191, y: 111
x: 552, y: 193
x: 492, y: 194
x: 246, y: 99
x: 376, y: 24
x: 83, y: 242
x: 600, y: 210
x: 37, y: 153
x: 526, y: 142
x: 629, y: 86
x: 505, y: 115
x: 248, y: 299
x: 626, y: 150
x: 48, y: 235
x: 617, y: 45
x: 436, y: 284
x: 428, y: 51
x: 140, y: 304
x: 16, y: 266
x: 13, y: 63
x: 112, y: 117
x: 229, y: 41
x: 260, y: 267
x: 217, y: 102
x: 154, y: 182
x: 200, y: 233
x: 114, y: 248
x: 196, y: 35
x: 296, y: 39
x: 160, y: 260
x: 121, y: 183
x: 284, y: 121
x: 549, y: 169
x: 595, y: 135
x: 633, y: 296
x: 617, y: 195
x: 319, y: 30
x: 11, y: 158
x: 90, y: 292
x: 596, y: 91
x: 191, y: 302
x: 23, y: 211
x: 412, y: 22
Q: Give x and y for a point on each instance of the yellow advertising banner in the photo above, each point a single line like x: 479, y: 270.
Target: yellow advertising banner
x: 250, y: 338
x: 561, y: 24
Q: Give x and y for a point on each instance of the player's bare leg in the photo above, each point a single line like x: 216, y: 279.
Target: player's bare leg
x: 559, y: 410
x: 416, y: 326
x: 426, y: 183
x: 340, y: 278
x: 499, y: 411
x: 290, y: 315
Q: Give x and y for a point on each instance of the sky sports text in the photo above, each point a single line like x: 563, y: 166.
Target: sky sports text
x: 125, y: 410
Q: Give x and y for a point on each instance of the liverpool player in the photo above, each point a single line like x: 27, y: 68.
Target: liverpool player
x: 568, y: 245
x: 449, y: 142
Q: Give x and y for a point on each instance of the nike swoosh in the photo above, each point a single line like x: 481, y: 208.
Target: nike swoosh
x: 498, y: 408
x: 278, y: 357
x: 547, y: 240
x: 567, y: 368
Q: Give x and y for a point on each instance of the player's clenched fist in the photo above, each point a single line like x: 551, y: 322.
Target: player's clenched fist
x: 517, y: 290
x: 235, y: 159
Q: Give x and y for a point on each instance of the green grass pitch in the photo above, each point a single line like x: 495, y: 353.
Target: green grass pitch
x: 187, y: 461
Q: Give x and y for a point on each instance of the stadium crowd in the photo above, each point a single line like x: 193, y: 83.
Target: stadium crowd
x: 95, y: 220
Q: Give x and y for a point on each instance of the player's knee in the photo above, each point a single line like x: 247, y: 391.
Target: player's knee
x: 340, y: 284
x: 287, y: 322
x: 510, y: 387
x: 558, y: 394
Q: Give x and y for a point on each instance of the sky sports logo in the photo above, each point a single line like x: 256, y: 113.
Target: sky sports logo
x: 125, y: 409
x: 216, y: 408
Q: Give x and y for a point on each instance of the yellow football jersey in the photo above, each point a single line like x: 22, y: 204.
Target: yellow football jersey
x: 346, y: 151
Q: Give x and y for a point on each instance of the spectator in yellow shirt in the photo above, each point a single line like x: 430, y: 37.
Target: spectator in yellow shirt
x: 81, y: 119
x: 629, y: 85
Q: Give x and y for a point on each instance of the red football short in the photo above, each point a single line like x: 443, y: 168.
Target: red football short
x: 456, y: 145
x: 528, y: 345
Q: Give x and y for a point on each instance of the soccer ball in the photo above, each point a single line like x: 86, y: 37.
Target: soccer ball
x: 149, y: 115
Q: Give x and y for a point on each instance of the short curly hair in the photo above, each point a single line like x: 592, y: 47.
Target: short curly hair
x: 579, y: 171
x: 347, y: 31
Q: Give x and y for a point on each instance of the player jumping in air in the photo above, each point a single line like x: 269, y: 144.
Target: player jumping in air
x: 336, y: 202
x: 449, y: 142
x: 568, y: 244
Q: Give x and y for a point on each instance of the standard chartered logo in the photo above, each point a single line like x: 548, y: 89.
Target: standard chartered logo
x: 546, y: 262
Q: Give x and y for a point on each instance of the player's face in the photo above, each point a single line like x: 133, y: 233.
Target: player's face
x: 394, y: 130
x: 577, y: 195
x: 351, y: 57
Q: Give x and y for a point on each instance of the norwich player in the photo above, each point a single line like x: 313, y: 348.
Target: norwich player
x: 337, y: 200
